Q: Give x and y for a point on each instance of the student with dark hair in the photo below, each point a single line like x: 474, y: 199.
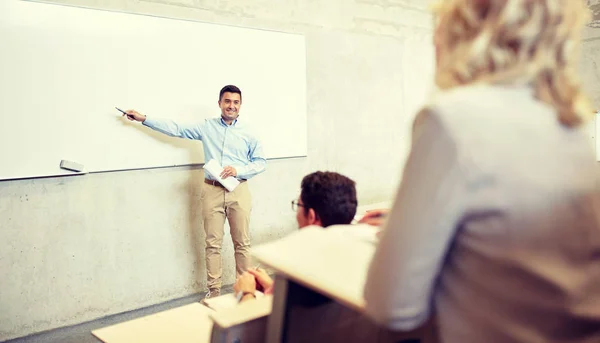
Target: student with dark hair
x: 326, y: 199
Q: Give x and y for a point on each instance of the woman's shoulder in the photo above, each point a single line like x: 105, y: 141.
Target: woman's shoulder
x: 482, y: 103
x: 482, y: 96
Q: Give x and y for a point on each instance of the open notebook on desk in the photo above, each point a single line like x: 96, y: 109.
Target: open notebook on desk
x: 332, y: 261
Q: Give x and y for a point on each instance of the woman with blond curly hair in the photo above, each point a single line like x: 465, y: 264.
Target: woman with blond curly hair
x: 496, y: 225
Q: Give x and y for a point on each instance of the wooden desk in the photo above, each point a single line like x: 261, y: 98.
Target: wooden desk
x: 243, y: 323
x: 186, y: 324
x: 319, y: 287
x: 196, y: 323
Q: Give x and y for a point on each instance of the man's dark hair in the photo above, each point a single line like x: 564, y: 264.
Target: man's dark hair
x: 230, y: 89
x: 331, y: 195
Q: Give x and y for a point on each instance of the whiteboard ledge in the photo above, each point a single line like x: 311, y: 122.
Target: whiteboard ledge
x: 192, y: 165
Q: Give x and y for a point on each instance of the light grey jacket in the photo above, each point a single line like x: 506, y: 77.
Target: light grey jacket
x: 495, y: 227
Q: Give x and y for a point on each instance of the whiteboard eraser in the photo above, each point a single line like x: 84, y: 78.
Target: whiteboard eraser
x: 72, y: 166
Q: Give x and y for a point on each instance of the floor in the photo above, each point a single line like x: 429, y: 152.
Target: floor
x: 82, y: 333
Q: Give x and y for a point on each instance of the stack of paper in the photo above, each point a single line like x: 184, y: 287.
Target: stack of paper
x: 214, y: 169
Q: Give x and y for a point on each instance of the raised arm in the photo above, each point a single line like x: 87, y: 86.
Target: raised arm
x: 420, y: 226
x: 166, y: 126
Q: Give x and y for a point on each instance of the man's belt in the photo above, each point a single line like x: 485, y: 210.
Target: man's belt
x: 217, y: 183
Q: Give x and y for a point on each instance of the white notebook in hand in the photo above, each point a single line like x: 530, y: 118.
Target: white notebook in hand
x: 215, y: 169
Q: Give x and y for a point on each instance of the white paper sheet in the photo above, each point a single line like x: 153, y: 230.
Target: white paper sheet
x: 215, y: 170
x: 597, y: 136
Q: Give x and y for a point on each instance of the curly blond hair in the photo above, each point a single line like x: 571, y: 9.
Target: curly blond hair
x: 534, y: 42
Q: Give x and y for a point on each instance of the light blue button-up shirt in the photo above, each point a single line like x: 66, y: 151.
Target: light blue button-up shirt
x: 230, y: 145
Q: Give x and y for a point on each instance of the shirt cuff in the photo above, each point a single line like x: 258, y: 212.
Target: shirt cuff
x: 148, y: 122
x: 241, y: 172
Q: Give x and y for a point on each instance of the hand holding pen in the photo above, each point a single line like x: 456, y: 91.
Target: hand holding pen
x: 132, y: 115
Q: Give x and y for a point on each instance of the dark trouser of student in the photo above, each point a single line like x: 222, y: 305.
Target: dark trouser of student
x: 218, y: 204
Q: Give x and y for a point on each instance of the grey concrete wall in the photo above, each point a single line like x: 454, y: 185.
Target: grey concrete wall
x: 594, y: 6
x: 79, y: 248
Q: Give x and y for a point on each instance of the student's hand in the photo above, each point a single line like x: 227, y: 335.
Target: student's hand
x: 262, y: 278
x: 228, y: 171
x: 374, y: 217
x: 245, y: 283
x: 134, y: 115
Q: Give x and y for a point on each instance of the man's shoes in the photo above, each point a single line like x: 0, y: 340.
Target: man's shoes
x: 212, y: 293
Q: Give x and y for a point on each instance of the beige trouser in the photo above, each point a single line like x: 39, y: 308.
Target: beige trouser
x: 218, y: 204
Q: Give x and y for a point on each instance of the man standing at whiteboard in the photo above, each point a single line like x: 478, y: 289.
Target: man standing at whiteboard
x: 230, y: 143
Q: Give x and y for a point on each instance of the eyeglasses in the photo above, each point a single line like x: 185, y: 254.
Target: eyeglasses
x: 295, y: 205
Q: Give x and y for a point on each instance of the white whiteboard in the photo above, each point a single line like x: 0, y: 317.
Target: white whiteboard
x: 64, y: 69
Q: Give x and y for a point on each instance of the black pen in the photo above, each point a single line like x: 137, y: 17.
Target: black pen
x: 125, y: 113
